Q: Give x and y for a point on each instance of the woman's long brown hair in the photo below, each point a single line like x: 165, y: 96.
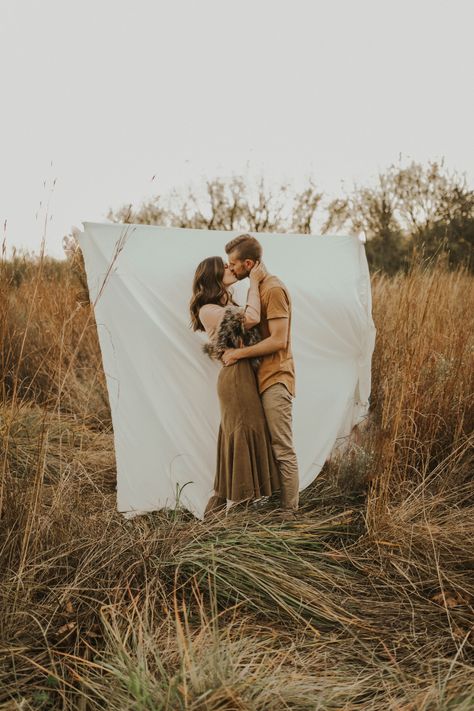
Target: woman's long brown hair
x: 208, y: 288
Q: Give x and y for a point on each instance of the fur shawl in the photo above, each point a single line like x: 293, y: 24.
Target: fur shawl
x: 233, y: 334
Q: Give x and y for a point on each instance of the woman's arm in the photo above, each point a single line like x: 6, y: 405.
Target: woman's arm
x: 252, y: 307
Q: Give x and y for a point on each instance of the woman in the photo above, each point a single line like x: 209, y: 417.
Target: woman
x: 246, y: 468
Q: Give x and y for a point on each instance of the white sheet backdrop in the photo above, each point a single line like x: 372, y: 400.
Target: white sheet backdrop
x: 162, y: 388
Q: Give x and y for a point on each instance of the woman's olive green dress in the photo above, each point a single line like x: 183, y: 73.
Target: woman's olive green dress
x: 246, y: 467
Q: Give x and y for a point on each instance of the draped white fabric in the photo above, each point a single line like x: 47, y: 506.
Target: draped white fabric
x: 162, y: 387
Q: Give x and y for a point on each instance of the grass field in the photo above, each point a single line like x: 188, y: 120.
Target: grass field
x: 366, y: 602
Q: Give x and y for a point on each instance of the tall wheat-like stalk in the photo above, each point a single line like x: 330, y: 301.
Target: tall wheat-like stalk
x: 367, y: 601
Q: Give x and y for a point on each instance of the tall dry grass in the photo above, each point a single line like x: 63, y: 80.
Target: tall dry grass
x: 366, y: 602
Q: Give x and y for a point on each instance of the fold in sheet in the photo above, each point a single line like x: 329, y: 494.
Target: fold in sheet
x: 162, y: 387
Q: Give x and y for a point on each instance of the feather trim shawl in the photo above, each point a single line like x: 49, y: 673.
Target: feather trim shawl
x: 232, y: 333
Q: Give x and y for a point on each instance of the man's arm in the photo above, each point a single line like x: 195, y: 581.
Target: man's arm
x: 277, y: 340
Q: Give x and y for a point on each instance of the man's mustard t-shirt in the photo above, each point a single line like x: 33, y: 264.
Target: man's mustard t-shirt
x: 277, y: 367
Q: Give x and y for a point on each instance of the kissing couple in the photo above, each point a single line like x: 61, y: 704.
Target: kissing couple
x: 256, y: 384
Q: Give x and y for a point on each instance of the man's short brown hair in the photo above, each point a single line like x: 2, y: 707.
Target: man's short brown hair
x: 246, y: 246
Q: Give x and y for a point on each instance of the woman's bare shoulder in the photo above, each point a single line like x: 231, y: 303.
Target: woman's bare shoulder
x: 211, y: 308
x: 210, y: 315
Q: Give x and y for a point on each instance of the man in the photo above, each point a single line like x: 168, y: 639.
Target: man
x: 276, y: 374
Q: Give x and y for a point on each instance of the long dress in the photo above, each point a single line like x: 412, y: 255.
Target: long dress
x: 245, y: 466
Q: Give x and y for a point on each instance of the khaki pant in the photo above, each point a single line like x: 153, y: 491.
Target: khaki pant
x: 278, y: 406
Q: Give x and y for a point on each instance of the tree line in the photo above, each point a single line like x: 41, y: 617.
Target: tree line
x: 411, y: 213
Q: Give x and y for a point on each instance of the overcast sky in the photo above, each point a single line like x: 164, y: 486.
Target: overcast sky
x: 102, y: 95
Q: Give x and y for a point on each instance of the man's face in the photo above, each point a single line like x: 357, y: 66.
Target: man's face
x: 239, y: 268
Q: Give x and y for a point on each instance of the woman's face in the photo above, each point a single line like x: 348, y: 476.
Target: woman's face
x: 229, y: 278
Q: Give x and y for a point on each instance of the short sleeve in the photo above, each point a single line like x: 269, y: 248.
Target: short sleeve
x: 278, y: 305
